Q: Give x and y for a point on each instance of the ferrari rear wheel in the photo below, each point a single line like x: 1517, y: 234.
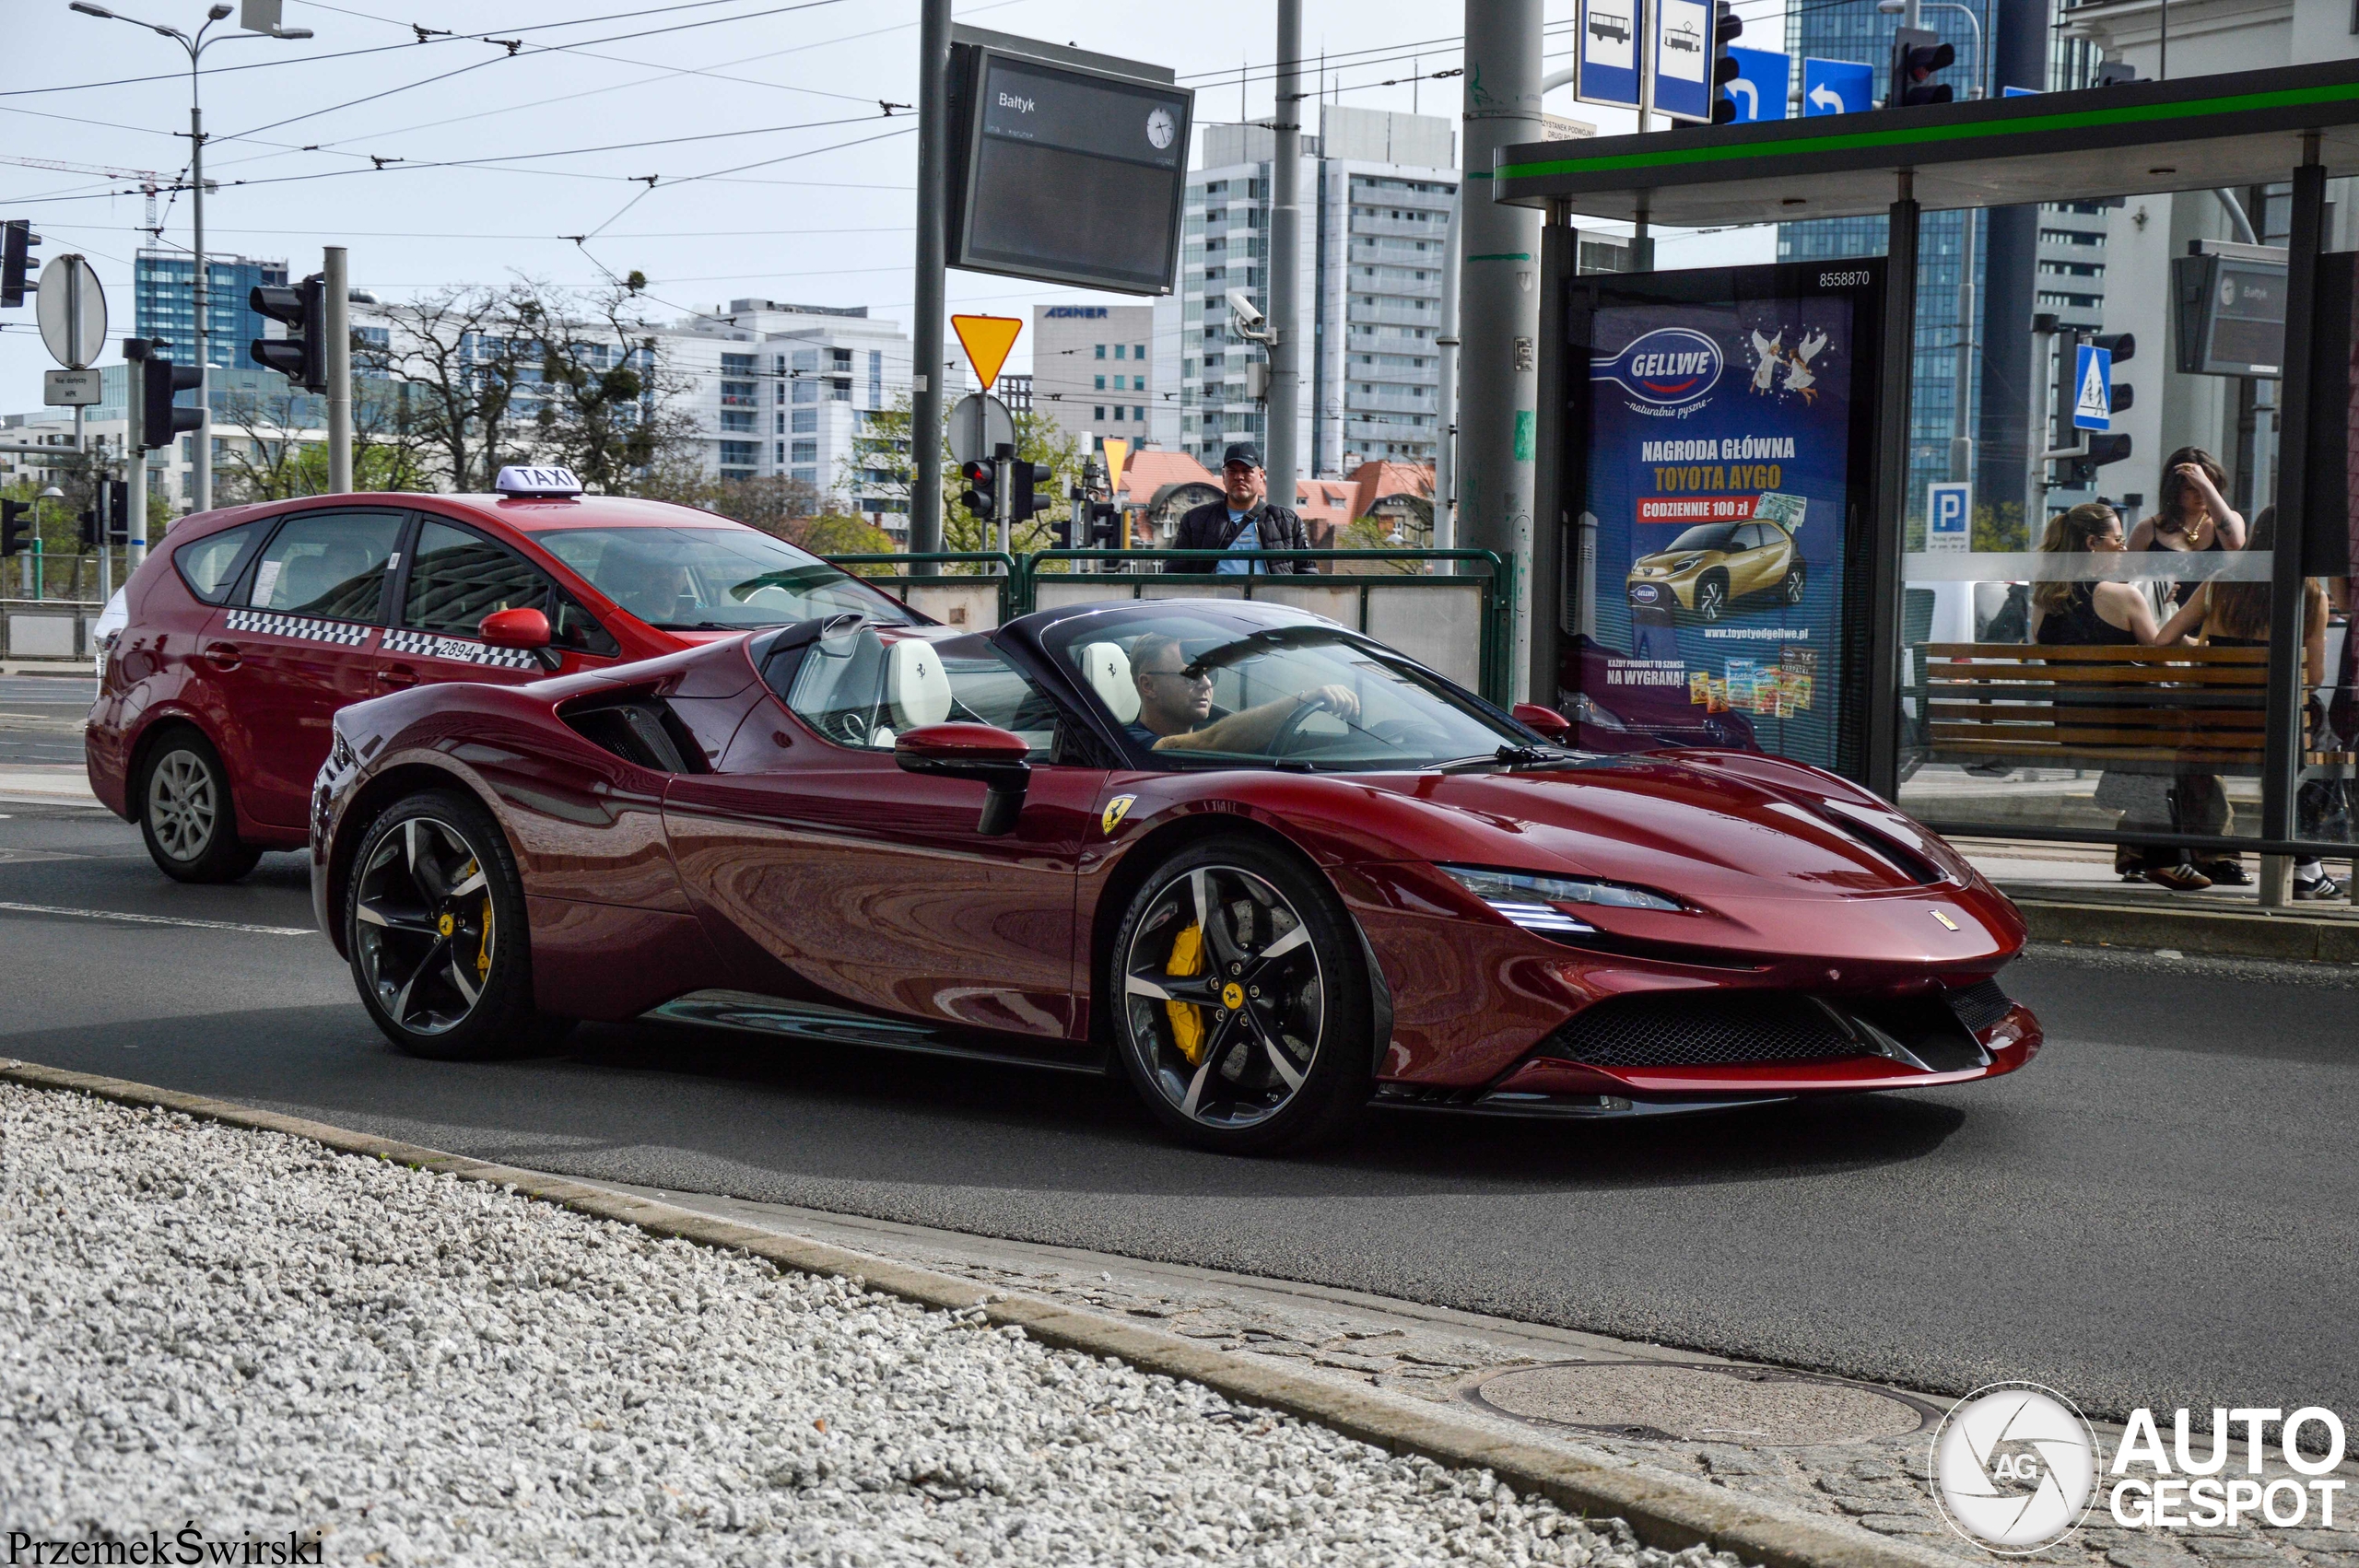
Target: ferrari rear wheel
x: 434, y: 922
x: 1241, y: 1003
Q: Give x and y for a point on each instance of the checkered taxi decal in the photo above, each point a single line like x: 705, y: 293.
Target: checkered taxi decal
x: 344, y: 633
x: 429, y: 645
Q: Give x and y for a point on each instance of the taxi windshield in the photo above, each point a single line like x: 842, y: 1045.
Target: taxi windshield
x: 1197, y: 688
x: 722, y: 579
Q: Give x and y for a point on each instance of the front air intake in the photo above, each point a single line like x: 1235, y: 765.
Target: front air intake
x: 1688, y: 1030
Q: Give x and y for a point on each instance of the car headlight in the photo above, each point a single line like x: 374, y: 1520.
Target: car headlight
x: 1532, y: 901
x: 1586, y: 712
x: 1685, y: 562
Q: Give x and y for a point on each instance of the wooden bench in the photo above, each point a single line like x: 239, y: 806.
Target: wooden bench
x: 2138, y: 709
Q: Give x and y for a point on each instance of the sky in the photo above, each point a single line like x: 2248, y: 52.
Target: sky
x: 779, y: 173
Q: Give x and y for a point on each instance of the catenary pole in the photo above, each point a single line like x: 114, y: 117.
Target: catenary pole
x: 201, y: 485
x: 135, y: 459
x: 1283, y: 458
x: 1445, y: 400
x: 1499, y: 305
x: 926, y: 334
x: 338, y: 328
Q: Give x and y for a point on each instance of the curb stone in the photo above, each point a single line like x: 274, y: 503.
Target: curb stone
x: 1663, y: 1510
x: 2210, y: 933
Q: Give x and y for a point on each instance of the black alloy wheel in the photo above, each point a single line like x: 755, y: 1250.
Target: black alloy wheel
x: 434, y: 923
x: 1241, y: 1003
x: 185, y: 815
x: 1713, y: 595
x: 1792, y: 586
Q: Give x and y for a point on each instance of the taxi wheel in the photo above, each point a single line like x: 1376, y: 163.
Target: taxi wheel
x: 1239, y: 1002
x: 184, y: 812
x: 434, y: 922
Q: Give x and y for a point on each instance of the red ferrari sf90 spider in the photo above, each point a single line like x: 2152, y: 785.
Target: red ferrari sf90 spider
x: 1268, y: 870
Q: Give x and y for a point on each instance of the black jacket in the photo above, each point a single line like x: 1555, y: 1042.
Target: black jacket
x: 1209, y: 527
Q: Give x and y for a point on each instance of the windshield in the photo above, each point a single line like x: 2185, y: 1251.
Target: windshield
x: 713, y: 578
x: 1199, y: 688
x: 1710, y: 536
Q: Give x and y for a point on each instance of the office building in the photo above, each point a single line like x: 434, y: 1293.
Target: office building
x: 163, y: 285
x: 1092, y: 373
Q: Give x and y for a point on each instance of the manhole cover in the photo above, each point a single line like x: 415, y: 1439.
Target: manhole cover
x: 1685, y: 1402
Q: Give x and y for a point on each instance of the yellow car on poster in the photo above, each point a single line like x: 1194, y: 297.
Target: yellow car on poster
x: 1713, y: 565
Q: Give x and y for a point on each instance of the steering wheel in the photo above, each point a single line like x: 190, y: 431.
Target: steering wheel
x: 1282, y: 743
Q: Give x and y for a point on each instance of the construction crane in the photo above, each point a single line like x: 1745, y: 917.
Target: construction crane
x: 148, y: 179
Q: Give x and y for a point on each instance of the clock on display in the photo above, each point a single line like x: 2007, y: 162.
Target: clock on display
x: 1161, y: 127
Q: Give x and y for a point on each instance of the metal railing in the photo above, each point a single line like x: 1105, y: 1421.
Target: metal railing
x: 1448, y: 609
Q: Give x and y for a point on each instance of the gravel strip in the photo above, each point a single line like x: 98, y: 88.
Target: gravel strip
x: 240, y: 1329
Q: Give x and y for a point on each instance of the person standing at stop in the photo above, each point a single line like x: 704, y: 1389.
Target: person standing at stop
x: 1242, y: 520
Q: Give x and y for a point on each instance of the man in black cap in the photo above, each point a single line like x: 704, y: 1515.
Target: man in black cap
x: 1244, y: 519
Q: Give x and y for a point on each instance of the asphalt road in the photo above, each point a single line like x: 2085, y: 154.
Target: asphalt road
x: 41, y: 717
x: 2163, y: 1209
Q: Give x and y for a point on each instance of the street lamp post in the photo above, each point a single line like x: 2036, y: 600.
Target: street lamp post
x: 203, y: 484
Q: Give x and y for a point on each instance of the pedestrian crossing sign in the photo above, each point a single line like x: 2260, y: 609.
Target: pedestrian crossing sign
x: 2092, y: 374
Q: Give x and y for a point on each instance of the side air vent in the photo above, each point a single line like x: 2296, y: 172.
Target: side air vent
x: 642, y: 731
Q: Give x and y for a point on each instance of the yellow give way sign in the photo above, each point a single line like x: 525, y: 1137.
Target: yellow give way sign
x: 987, y: 340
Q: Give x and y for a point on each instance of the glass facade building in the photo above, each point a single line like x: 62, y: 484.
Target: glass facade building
x: 164, y: 304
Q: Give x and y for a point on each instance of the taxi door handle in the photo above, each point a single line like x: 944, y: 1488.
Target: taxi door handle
x: 223, y: 655
x: 398, y: 675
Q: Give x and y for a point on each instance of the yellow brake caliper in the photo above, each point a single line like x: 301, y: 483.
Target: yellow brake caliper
x: 483, y: 953
x: 1187, y: 1019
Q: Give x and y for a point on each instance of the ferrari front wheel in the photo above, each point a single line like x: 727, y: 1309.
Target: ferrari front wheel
x: 1240, y: 1001
x: 434, y: 923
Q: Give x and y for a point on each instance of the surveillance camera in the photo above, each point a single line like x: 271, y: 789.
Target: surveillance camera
x: 1243, y: 311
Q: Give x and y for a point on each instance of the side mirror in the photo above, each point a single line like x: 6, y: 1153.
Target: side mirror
x: 990, y: 755
x: 1547, y: 720
x: 514, y: 628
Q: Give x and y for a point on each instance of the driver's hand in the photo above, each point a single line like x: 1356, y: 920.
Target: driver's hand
x: 1340, y: 700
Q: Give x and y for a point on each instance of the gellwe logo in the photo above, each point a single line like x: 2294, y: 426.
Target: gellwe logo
x: 1670, y: 371
x: 2015, y: 1469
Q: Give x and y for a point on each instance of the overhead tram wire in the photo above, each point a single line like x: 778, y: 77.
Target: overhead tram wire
x: 491, y: 36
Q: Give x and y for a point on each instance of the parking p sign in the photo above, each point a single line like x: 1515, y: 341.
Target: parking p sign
x: 1949, y: 517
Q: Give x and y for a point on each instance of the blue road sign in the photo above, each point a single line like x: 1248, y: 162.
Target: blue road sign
x: 1682, y: 53
x: 1837, y: 87
x: 2092, y: 376
x: 1609, y: 50
x: 1949, y: 507
x: 2018, y: 92
x: 1759, y: 89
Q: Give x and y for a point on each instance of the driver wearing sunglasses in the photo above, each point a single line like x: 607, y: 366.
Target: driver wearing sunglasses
x: 1175, y: 705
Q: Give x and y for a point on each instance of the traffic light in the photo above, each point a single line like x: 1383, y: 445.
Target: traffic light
x: 161, y: 422
x: 1028, y: 489
x: 1727, y: 28
x: 1104, y: 525
x: 13, y: 528
x: 302, y: 354
x: 1917, y: 54
x: 2123, y: 346
x: 113, y: 502
x: 17, y: 242
x: 980, y: 496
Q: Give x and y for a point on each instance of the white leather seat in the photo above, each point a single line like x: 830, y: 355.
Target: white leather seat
x: 1107, y: 670
x: 915, y: 684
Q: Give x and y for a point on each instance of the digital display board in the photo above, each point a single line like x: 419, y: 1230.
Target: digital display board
x: 1070, y: 174
x: 1720, y: 445
x: 2231, y: 315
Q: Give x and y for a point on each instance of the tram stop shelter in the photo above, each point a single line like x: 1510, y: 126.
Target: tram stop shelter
x: 2169, y: 713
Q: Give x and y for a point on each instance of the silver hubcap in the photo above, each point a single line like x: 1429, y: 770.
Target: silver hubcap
x: 1708, y: 599
x: 182, y: 805
x: 1223, y: 999
x: 422, y: 924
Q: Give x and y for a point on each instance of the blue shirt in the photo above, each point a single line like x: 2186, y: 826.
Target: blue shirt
x: 1250, y: 539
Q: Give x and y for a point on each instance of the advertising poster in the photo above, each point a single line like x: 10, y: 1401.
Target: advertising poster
x: 1723, y: 470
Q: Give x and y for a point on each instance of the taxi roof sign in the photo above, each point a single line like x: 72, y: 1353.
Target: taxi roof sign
x: 519, y: 479
x: 987, y: 340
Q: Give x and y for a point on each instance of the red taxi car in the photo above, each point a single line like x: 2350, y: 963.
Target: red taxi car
x: 252, y: 626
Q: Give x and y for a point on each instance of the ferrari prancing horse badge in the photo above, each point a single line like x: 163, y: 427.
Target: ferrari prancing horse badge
x: 1115, y: 810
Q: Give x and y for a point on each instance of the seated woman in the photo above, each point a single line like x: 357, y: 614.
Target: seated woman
x: 2236, y: 614
x: 2097, y: 614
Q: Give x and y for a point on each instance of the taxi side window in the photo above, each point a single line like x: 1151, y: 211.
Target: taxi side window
x: 458, y: 577
x: 209, y: 566
x: 573, y: 626
x: 329, y: 565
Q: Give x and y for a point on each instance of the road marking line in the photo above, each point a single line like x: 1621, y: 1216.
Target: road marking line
x: 158, y: 920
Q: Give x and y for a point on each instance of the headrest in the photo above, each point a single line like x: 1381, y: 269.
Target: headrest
x: 915, y: 684
x: 1107, y: 670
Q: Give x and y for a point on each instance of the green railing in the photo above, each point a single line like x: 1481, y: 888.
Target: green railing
x: 1376, y: 601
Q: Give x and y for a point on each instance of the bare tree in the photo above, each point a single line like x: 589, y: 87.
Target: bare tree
x: 460, y: 352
